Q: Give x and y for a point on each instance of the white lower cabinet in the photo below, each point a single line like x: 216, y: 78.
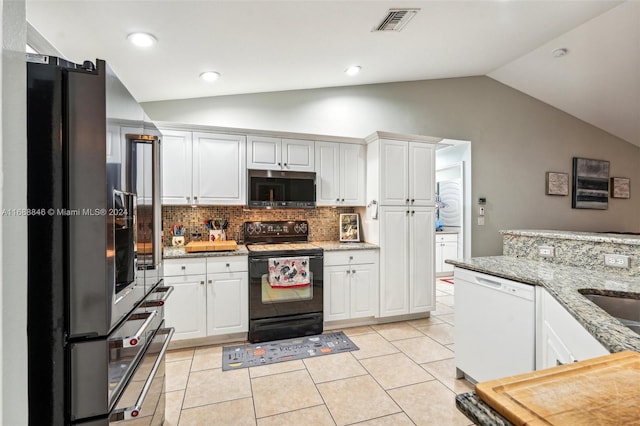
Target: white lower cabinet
x: 446, y: 248
x: 350, y: 284
x: 210, y: 296
x: 561, y: 338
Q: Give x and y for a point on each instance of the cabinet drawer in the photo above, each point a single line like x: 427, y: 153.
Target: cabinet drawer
x: 446, y: 238
x: 350, y: 257
x: 176, y: 267
x: 227, y: 264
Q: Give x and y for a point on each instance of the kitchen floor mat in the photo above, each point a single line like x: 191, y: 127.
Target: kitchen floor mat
x: 254, y: 354
x: 447, y: 280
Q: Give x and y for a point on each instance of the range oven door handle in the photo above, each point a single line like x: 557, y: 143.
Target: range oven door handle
x: 134, y: 411
x: 131, y: 341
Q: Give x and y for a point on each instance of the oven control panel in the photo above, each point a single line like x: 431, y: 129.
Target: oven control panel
x: 276, y: 230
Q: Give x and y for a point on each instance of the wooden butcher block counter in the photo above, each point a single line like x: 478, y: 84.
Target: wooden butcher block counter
x: 597, y: 391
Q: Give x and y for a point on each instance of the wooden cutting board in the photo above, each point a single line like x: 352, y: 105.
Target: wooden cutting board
x: 196, y: 246
x: 598, y: 391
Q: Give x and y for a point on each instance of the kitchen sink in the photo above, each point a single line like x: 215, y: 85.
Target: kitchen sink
x: 624, y: 309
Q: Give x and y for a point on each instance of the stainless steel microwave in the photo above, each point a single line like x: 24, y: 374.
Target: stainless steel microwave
x: 281, y: 189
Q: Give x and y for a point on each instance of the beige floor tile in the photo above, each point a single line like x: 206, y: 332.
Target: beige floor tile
x: 445, y: 287
x: 275, y: 368
x: 425, y: 321
x: 446, y: 300
x: 179, y: 354
x: 400, y: 419
x: 333, y: 367
x: 354, y: 331
x: 445, y: 372
x: 442, y: 309
x: 429, y: 403
x: 396, y: 331
x: 441, y: 333
x: 207, y: 358
x: 451, y: 347
x: 177, y: 374
x: 314, y: 416
x: 440, y: 293
x: 211, y: 386
x: 356, y: 399
x: 423, y: 349
x: 396, y: 370
x: 448, y: 318
x: 238, y: 413
x: 173, y: 406
x: 372, y: 345
x: 284, y: 392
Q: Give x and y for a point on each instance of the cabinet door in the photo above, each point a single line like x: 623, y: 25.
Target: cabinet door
x: 298, y: 155
x: 176, y: 167
x: 219, y: 175
x: 449, y: 250
x: 364, y: 291
x: 352, y: 174
x: 227, y: 303
x: 394, y: 261
x: 554, y: 352
x: 336, y: 293
x: 264, y: 153
x: 394, y: 169
x: 186, y: 309
x: 421, y: 258
x: 327, y: 159
x: 421, y: 174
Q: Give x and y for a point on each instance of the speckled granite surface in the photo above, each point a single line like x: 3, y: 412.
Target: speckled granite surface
x: 179, y: 252
x: 479, y: 412
x: 564, y: 282
x: 582, y: 249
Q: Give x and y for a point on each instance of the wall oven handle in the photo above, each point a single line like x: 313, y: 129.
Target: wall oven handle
x: 131, y: 341
x: 134, y: 411
x: 155, y: 303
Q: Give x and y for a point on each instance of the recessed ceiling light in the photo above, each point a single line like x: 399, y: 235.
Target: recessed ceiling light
x: 142, y: 39
x: 558, y: 53
x: 353, y: 70
x: 210, y: 75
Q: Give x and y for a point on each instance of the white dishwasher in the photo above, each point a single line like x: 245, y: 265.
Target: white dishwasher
x: 494, y: 326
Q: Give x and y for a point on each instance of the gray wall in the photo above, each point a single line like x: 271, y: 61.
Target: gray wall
x: 13, y: 229
x: 514, y: 138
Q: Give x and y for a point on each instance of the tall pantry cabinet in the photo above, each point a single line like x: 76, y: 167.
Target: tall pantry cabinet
x: 400, y: 179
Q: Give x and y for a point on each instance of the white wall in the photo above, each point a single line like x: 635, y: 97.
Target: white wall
x: 13, y: 229
x: 515, y: 141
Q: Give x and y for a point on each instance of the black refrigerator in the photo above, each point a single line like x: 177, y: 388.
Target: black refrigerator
x: 95, y: 325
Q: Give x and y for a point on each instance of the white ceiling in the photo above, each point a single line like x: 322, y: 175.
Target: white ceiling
x: 263, y: 45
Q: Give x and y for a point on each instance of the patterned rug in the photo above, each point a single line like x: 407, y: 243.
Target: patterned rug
x: 254, y: 354
x: 447, y: 280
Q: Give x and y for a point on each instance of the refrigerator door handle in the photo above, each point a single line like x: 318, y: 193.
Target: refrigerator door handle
x: 131, y: 341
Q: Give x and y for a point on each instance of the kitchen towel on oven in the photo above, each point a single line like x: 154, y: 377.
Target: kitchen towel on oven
x: 289, y: 272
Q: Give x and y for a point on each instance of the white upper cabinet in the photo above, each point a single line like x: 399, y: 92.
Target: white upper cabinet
x: 270, y: 153
x: 203, y: 168
x: 407, y: 173
x: 340, y: 169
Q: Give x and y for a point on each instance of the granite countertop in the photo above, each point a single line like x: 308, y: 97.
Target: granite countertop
x: 598, y: 237
x: 171, y: 252
x: 478, y: 411
x: 563, y: 283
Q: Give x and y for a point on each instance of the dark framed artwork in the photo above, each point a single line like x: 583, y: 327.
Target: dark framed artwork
x: 590, y: 184
x: 349, y: 227
x: 557, y: 183
x: 620, y: 187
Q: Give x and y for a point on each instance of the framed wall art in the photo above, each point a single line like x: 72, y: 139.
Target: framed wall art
x: 349, y: 227
x: 557, y: 183
x: 590, y: 184
x: 620, y: 187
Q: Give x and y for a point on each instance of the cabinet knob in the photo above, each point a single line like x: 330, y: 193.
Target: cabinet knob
x: 342, y: 200
x: 348, y: 271
x: 195, y: 198
x: 407, y: 212
x: 183, y: 267
x: 202, y: 282
x: 188, y: 198
x: 353, y: 271
x: 279, y: 163
x: 413, y: 200
x: 337, y: 200
x: 285, y: 164
x: 350, y: 257
x: 228, y: 264
x: 210, y: 281
x: 407, y: 201
x: 413, y: 212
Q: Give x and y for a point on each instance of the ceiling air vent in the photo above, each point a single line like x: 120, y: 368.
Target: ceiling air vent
x: 396, y: 19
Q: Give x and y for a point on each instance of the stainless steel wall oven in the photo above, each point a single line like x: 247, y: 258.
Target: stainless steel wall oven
x: 285, y: 281
x: 95, y: 321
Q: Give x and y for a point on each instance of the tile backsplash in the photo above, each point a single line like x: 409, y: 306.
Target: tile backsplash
x: 323, y: 221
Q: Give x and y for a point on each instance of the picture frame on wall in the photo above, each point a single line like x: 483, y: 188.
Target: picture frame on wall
x: 620, y: 187
x: 590, y: 184
x: 557, y: 183
x: 349, y: 227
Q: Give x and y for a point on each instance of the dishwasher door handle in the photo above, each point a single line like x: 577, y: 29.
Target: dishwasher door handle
x: 488, y: 283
